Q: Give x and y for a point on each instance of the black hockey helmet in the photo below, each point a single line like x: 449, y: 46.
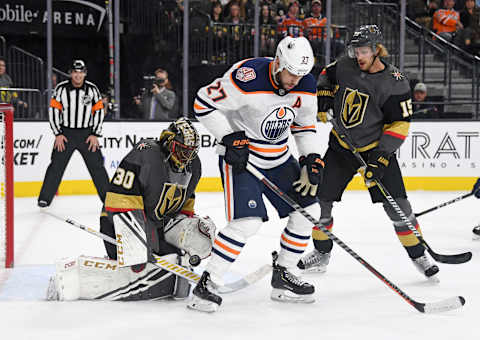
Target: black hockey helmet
x: 181, y: 141
x: 78, y: 65
x: 365, y: 35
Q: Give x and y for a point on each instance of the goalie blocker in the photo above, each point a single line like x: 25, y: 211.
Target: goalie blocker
x: 128, y: 276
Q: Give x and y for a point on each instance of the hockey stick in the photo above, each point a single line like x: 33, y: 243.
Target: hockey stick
x: 450, y: 259
x: 178, y: 270
x: 440, y: 306
x: 455, y: 200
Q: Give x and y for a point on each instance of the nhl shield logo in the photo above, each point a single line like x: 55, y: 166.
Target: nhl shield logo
x: 87, y: 99
x: 354, y: 104
x: 277, y: 123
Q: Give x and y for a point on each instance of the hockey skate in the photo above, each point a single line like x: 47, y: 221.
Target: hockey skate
x: 204, y: 297
x: 476, y: 232
x: 424, y: 266
x: 289, y: 288
x: 315, y: 261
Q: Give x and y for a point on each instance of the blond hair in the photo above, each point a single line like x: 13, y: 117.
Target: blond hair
x: 382, y: 50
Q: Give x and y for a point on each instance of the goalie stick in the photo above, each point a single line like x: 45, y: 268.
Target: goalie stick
x: 455, y: 200
x: 450, y: 259
x: 176, y: 269
x: 434, y: 307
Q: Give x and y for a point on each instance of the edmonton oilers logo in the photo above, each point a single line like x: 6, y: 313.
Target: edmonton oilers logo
x: 277, y: 122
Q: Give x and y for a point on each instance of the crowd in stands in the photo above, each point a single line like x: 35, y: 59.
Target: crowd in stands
x: 457, y: 21
x: 228, y: 25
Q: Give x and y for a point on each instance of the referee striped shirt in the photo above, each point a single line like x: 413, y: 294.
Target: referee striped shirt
x: 76, y: 108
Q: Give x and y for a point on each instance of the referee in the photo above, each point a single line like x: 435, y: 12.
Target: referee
x: 76, y: 115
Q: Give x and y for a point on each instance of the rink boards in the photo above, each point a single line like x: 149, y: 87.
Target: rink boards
x: 435, y: 156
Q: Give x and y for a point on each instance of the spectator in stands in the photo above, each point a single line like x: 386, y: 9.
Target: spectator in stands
x: 446, y: 21
x: 422, y: 11
x: 470, y: 18
x: 421, y: 110
x: 217, y: 32
x: 54, y: 79
x: 216, y: 11
x: 291, y: 25
x: 314, y: 27
x: 267, y: 31
x: 159, y: 103
x: 236, y: 32
x: 247, y: 10
x: 7, y: 96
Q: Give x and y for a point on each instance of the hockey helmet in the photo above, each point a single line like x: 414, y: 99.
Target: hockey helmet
x: 365, y: 35
x: 78, y: 65
x: 182, y: 142
x: 295, y: 55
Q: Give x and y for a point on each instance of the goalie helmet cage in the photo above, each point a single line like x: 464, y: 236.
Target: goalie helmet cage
x: 6, y: 182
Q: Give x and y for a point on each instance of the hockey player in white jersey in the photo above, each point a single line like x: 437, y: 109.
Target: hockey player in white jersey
x: 251, y: 110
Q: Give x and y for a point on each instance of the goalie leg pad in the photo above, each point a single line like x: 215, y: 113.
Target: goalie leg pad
x: 194, y: 235
x: 93, y: 278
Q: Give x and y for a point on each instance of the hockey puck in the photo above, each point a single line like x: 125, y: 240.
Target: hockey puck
x: 194, y: 260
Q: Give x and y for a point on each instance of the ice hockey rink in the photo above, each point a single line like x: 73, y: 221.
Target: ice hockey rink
x: 351, y: 303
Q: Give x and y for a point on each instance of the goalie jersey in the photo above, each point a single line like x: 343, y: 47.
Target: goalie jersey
x: 249, y: 100
x: 144, y: 180
x: 375, y: 108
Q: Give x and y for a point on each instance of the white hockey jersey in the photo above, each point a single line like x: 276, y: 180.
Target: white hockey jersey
x: 247, y: 99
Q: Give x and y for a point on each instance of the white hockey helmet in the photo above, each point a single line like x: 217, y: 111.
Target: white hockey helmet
x: 295, y: 55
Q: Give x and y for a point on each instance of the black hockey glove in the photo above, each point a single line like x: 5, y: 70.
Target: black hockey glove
x: 377, y: 163
x: 311, y: 174
x: 325, y: 98
x: 476, y: 188
x: 236, y: 153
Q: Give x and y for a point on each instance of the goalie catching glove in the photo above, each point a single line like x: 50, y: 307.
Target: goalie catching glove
x: 377, y: 164
x: 311, y: 174
x: 194, y: 235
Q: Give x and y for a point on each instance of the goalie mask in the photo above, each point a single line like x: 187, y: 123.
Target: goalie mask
x: 182, y: 142
x: 366, y: 35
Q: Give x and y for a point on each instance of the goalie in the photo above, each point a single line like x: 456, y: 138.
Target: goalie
x: 148, y: 209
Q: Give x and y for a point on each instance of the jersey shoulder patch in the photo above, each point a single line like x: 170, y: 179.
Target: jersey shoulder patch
x: 253, y: 75
x: 245, y: 74
x: 396, y: 74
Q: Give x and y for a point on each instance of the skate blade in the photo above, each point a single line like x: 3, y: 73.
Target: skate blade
x: 202, y: 306
x: 433, y: 279
x: 317, y: 270
x: 283, y: 295
x: 52, y: 294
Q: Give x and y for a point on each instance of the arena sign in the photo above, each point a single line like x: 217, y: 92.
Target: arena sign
x: 69, y: 17
x: 435, y: 155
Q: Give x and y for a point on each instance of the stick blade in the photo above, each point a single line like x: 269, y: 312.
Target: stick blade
x: 246, y: 281
x: 440, y: 306
x: 452, y: 259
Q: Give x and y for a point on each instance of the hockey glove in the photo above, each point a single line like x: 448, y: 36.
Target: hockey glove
x: 376, y: 165
x: 236, y: 153
x: 311, y: 174
x: 476, y: 188
x: 325, y: 102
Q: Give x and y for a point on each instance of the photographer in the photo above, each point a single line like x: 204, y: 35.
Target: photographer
x: 159, y: 102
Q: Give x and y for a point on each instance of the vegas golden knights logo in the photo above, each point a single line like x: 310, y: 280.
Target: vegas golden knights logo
x: 353, y: 107
x: 171, y: 199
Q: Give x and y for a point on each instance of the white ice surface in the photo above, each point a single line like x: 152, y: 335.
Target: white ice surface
x: 351, y: 303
